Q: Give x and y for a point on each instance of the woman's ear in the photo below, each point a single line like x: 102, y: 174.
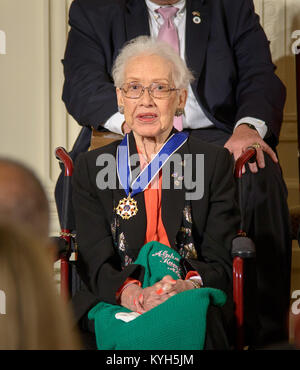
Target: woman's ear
x: 120, y: 97
x: 182, y: 98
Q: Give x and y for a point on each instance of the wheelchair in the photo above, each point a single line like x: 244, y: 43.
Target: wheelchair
x: 243, y: 249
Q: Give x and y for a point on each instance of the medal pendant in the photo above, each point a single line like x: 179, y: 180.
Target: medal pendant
x: 127, y: 208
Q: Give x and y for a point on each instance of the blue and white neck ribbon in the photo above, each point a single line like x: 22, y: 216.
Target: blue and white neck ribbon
x: 145, y: 177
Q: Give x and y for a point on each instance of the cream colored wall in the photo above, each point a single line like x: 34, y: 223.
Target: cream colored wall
x: 33, y: 119
x: 280, y: 18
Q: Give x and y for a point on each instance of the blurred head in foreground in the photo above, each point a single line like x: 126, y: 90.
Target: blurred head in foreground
x: 23, y: 202
x: 32, y: 315
x: 22, y: 198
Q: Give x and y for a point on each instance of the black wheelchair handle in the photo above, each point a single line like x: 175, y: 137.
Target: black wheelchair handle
x: 243, y: 247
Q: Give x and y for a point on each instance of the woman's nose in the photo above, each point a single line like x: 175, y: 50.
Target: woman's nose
x: 146, y: 98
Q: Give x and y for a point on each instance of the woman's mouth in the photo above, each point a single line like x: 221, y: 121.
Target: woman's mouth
x: 147, y: 117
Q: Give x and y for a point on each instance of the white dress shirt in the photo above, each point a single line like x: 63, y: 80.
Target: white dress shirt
x: 194, y: 116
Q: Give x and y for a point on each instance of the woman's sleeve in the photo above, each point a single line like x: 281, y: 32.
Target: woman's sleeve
x: 221, y: 226
x: 98, y: 264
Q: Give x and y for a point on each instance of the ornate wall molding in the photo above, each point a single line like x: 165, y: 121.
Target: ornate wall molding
x: 289, y: 128
x: 280, y: 18
x: 2, y: 42
x: 63, y: 129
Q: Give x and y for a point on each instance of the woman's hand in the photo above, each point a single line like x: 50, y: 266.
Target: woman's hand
x: 130, y: 298
x: 141, y: 300
x: 172, y: 287
x: 151, y: 297
x: 162, y: 291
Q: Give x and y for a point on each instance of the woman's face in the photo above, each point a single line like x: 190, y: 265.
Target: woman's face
x: 148, y: 116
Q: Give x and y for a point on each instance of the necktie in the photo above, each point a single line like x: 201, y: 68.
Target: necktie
x: 168, y: 33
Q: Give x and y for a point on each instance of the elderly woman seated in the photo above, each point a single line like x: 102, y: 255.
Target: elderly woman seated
x: 155, y: 216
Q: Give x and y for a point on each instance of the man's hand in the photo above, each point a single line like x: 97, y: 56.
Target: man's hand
x: 242, y: 138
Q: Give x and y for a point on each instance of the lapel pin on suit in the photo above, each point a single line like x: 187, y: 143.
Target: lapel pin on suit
x: 196, y: 18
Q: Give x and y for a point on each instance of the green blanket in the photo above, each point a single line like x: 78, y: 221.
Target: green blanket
x: 177, y: 324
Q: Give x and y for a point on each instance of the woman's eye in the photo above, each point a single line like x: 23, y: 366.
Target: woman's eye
x: 161, y: 87
x: 134, y: 87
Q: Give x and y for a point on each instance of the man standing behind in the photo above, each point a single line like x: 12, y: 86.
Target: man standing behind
x: 236, y: 101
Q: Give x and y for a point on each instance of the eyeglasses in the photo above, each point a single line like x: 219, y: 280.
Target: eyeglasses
x: 135, y: 90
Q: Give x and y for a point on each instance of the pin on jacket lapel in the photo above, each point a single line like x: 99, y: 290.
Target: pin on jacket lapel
x: 196, y: 37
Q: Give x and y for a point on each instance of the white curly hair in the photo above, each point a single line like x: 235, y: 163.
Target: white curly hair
x: 146, y: 45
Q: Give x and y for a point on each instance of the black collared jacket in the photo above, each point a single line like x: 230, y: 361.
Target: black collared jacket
x: 201, y: 229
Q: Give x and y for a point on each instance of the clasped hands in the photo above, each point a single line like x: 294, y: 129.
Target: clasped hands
x: 244, y: 137
x: 141, y: 300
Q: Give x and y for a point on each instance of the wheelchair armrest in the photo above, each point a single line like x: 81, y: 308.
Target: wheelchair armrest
x: 243, y: 247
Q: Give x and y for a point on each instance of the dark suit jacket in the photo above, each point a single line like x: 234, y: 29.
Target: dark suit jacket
x: 228, y: 53
x: 215, y: 222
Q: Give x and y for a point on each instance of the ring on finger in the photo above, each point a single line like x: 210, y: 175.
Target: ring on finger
x: 256, y: 145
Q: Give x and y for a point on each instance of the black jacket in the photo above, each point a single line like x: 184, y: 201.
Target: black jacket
x: 227, y: 51
x: 215, y: 221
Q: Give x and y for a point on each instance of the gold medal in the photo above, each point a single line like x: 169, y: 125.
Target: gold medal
x: 127, y: 208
